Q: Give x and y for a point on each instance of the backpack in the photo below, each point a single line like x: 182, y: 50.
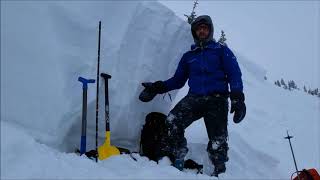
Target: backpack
x: 310, y: 174
x: 152, y: 134
x: 154, y: 142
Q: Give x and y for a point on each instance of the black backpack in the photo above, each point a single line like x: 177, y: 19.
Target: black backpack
x: 154, y: 141
x: 152, y: 136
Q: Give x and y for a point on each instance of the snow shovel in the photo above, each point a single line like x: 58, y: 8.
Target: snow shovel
x: 85, y: 83
x: 106, y: 150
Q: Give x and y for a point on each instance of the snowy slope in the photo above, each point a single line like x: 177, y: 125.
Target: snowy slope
x: 40, y: 113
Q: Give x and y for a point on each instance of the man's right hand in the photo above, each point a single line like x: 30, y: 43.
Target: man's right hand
x: 151, y: 90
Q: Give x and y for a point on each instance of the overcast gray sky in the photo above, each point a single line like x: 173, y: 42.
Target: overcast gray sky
x: 282, y: 36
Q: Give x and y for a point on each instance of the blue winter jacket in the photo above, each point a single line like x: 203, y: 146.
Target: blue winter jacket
x: 209, y: 70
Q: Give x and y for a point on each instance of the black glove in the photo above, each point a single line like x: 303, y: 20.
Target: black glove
x: 151, y: 90
x: 238, y: 107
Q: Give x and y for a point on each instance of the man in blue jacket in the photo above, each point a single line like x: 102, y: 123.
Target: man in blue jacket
x: 211, y: 70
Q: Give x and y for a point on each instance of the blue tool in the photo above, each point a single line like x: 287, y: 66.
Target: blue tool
x: 83, y: 140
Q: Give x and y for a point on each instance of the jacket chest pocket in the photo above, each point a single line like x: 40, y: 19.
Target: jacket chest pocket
x: 195, y: 65
x: 213, y: 62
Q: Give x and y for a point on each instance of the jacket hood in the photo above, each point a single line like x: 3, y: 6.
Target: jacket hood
x: 204, y: 19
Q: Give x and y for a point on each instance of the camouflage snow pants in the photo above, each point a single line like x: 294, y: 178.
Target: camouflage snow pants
x: 214, y: 110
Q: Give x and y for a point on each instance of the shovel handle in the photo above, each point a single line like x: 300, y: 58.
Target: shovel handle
x: 85, y: 82
x: 106, y: 150
x: 83, y: 142
x: 106, y: 77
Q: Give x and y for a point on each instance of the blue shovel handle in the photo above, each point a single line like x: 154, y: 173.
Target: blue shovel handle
x: 83, y: 142
x: 85, y: 82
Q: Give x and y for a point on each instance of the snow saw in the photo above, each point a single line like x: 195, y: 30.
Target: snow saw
x: 106, y: 150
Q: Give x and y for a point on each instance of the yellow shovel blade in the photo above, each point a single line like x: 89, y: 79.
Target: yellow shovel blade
x: 106, y: 150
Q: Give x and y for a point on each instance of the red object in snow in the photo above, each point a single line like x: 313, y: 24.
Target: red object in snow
x: 310, y: 174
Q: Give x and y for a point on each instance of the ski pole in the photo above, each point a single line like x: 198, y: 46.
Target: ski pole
x: 294, y: 159
x: 97, y: 99
x: 83, y: 139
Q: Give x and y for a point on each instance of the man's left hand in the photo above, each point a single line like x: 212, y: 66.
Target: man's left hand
x: 238, y: 107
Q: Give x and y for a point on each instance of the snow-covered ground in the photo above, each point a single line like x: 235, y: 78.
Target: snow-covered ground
x: 45, y: 46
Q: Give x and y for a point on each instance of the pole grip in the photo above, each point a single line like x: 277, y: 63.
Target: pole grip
x: 85, y: 82
x: 105, y: 76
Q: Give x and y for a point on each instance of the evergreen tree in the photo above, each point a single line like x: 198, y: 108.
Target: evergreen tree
x: 294, y: 85
x: 222, y: 39
x: 193, y: 15
x: 316, y: 91
x: 290, y: 85
x: 284, y: 84
x: 312, y: 92
x: 305, y: 89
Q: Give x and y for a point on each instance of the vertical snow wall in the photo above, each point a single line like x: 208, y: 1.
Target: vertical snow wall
x: 48, y: 45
